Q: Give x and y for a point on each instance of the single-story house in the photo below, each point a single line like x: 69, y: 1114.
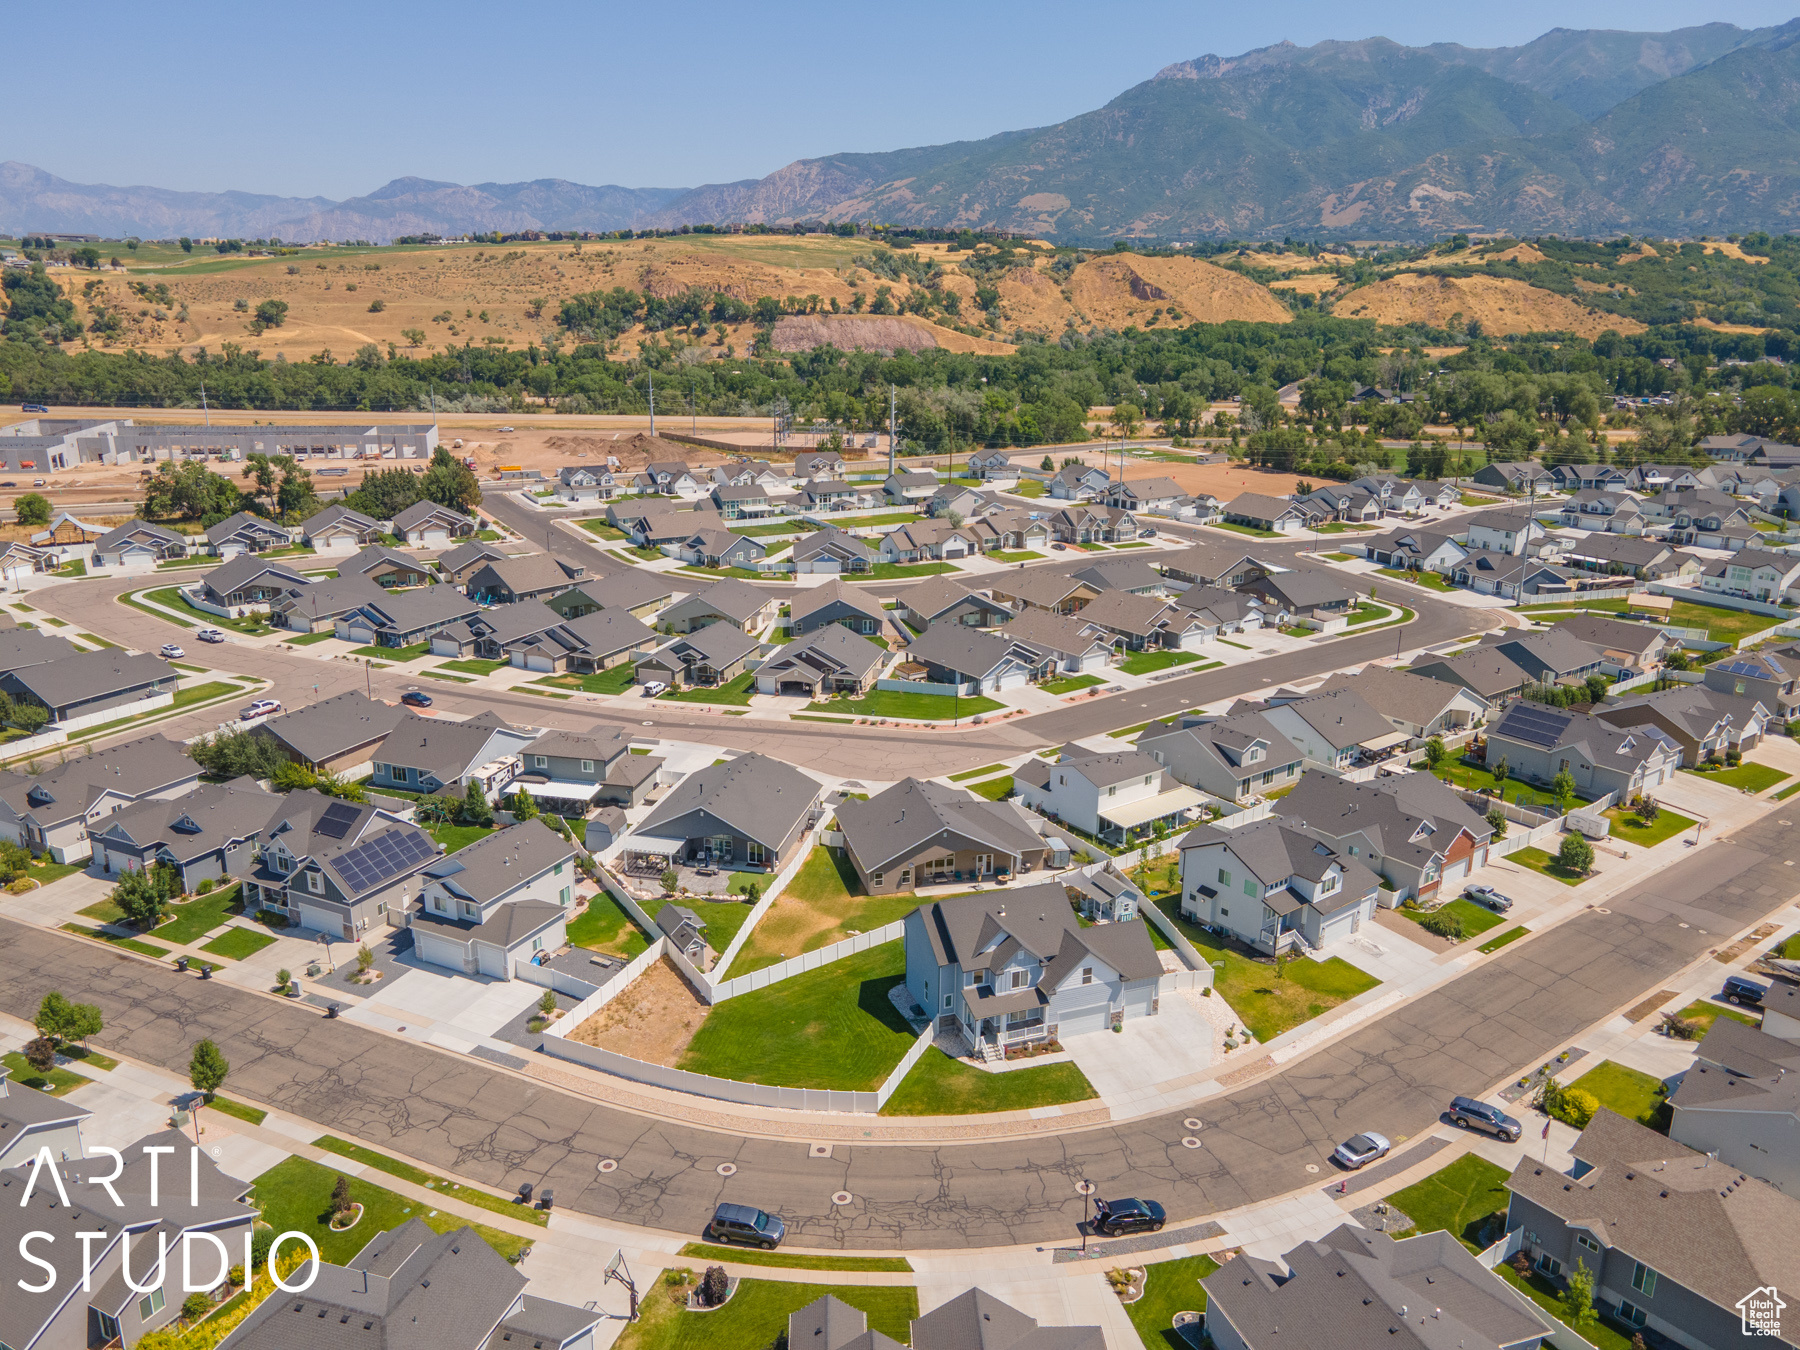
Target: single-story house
x: 1420, y: 706
x: 334, y: 735
x: 245, y: 533
x: 729, y: 601
x: 1262, y: 512
x: 829, y: 660
x: 457, y: 565
x: 1077, y: 646
x: 427, y: 525
x: 338, y: 529
x: 713, y: 655
x: 248, y: 582
x: 1539, y: 742
x: 942, y: 600
x: 854, y: 608
x: 748, y: 812
x: 989, y: 662
x: 721, y: 548
x: 388, y: 568
x: 431, y: 754
x: 91, y: 682
x: 138, y: 543
x: 407, y: 618
x: 832, y: 550
x: 919, y: 833
x: 536, y: 576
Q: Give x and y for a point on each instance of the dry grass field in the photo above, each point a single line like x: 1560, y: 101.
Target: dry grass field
x: 653, y: 1020
x: 1503, y: 305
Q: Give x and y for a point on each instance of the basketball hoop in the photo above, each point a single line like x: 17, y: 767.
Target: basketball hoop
x: 616, y: 1269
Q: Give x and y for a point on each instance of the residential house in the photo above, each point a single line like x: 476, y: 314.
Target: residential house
x: 1702, y: 722
x: 925, y: 834
x: 87, y: 1298
x: 248, y: 582
x: 388, y: 568
x: 457, y: 565
x: 1118, y: 797
x: 1077, y: 646
x: 1559, y: 656
x: 1651, y: 479
x: 55, y: 811
x: 1147, y: 496
x: 1512, y: 529
x: 653, y: 525
x: 1091, y: 524
x: 1305, y: 595
x: 496, y: 902
x: 137, y: 543
x: 1079, y: 483
x: 997, y: 463
x: 1607, y: 512
x: 425, y: 524
x: 208, y: 834
x: 1745, y: 1128
x: 1504, y: 574
x: 1236, y: 759
x: 78, y: 689
x: 536, y: 576
x: 16, y: 557
x: 1012, y: 967
x: 490, y: 634
x: 337, y: 867
x: 1333, y: 730
x: 568, y: 772
x: 580, y: 483
x: 749, y: 812
x: 1540, y: 742
x: 835, y: 603
x: 1415, y: 551
x: 31, y: 1120
x: 1042, y: 588
x: 22, y: 647
x: 926, y: 540
x: 1413, y: 830
x: 407, y: 618
x: 1754, y: 574
x: 909, y: 489
x: 1703, y: 518
x: 430, y: 754
x: 671, y: 478
x: 1339, y: 502
x: 721, y: 548
x: 1631, y: 556
x: 729, y: 601
x: 747, y: 501
x: 976, y: 661
x: 1274, y: 886
x: 829, y: 660
x: 831, y: 494
x: 704, y: 657
x: 1213, y: 564
x: 1588, y: 477
x: 589, y: 643
x: 1771, y: 678
x: 1356, y: 1287
x: 818, y: 464
x: 743, y: 470
x: 1262, y: 512
x: 1416, y: 704
x: 1123, y: 574
x: 639, y: 593
x: 975, y: 1318
x: 338, y: 529
x: 942, y: 600
x: 954, y: 499
x: 245, y: 533
x: 1397, y: 496
x: 1223, y: 611
x: 832, y: 550
x: 319, y: 605
x: 1515, y: 477
x: 1679, y: 1243
x: 1139, y: 622
x: 1488, y: 674
x: 409, y: 1283
x: 334, y: 735
x: 1629, y: 648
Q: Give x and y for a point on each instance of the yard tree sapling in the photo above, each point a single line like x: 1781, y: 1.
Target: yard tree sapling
x: 208, y: 1068
x: 1576, y: 854
x: 1435, y: 753
x: 474, y: 808
x: 1578, y: 1299
x: 547, y: 1004
x: 40, y: 1053
x: 1496, y: 820
x: 1562, y: 787
x: 341, y: 1202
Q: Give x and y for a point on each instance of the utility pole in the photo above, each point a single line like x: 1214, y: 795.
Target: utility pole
x: 891, y: 442
x: 653, y: 403
x: 207, y: 412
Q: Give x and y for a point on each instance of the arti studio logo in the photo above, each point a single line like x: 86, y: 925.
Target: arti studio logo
x: 1761, y: 1311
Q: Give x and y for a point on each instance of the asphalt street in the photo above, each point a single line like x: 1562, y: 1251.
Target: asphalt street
x: 1395, y: 1075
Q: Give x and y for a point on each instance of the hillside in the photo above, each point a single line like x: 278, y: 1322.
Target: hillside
x: 1501, y: 305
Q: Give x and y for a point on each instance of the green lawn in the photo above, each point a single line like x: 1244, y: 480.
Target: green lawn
x: 172, y: 597
x: 469, y: 1195
x: 99, y: 641
x: 601, y: 528
x: 1027, y: 487
x: 613, y: 680
x: 1338, y: 557
x: 895, y: 571
x: 471, y: 666
x: 982, y: 772
x: 1365, y: 612
x: 1170, y: 1287
x: 1250, y: 530
x: 235, y: 943
x: 722, y: 918
x: 1706, y: 1012
x: 453, y: 837
x: 1539, y: 861
x: 129, y: 944
x: 1507, y: 938
x: 1431, y: 581
x: 1459, y: 1199
x: 757, y: 1315
x: 307, y: 639
x: 1017, y: 556
x: 830, y: 1028
x: 994, y: 788
x: 1627, y: 827
x: 1721, y: 625
x: 1634, y: 1095
x: 823, y: 904
x: 941, y: 1086
x: 1747, y: 777
x: 237, y: 1110
x: 412, y: 653
x: 604, y: 926
x: 295, y: 1196
x: 736, y: 692
x: 103, y: 911
x: 1547, y: 1294
x: 1070, y: 684
x: 1270, y: 1005
x: 750, y: 1256
x: 198, y: 917
x: 1147, y: 663
x: 1455, y: 772
x: 898, y: 703
x: 57, y: 1082
x: 1476, y: 919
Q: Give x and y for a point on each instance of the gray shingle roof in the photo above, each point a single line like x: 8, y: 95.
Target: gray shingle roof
x: 463, y: 554
x: 246, y: 568
x: 722, y: 644
x: 736, y: 600
x: 532, y: 572
x: 136, y: 768
x: 835, y: 592
x: 197, y: 823
x: 137, y: 529
x: 242, y: 520
x: 334, y: 514
x: 832, y: 649
x: 420, y: 512
x: 20, y: 647
x: 967, y: 651
x: 91, y: 675
x: 1414, y: 816
x: 758, y: 797
x: 444, y: 748
x: 606, y: 632
x: 332, y: 726
x: 424, y: 608
x: 497, y: 864
x: 902, y: 819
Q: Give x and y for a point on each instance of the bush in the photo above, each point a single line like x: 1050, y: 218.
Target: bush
x: 1648, y: 810
x: 205, y: 887
x: 195, y: 1306
x: 715, y: 1287
x: 670, y: 880
x: 1572, y: 1106
x: 1679, y: 1028
x: 1576, y: 854
x: 32, y: 509
x: 1496, y: 820
x: 40, y: 1053
x: 260, y: 1243
x: 376, y: 306
x: 1444, y: 923
x: 1734, y: 756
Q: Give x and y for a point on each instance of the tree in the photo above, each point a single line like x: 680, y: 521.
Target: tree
x: 1578, y: 1299
x: 670, y: 879
x: 143, y: 898
x: 1127, y: 418
x: 341, y: 1202
x: 208, y: 1068
x: 1435, y: 754
x: 32, y: 509
x: 187, y: 245
x: 364, y: 958
x: 1496, y: 820
x: 40, y: 1053
x: 474, y: 808
x: 376, y: 306
x: 547, y: 1003
x: 1576, y: 854
x: 272, y: 313
x: 415, y: 337
x: 1597, y: 685
x: 1048, y: 465
x: 1502, y: 771
x: 523, y: 806
x: 449, y: 482
x: 1562, y: 787
x: 239, y: 754
x: 30, y: 717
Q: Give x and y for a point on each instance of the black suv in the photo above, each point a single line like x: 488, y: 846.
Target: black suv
x: 1474, y: 1115
x: 742, y: 1223
x: 1740, y: 989
x: 1114, y: 1217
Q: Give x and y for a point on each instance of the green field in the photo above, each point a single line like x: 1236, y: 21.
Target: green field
x: 993, y: 788
x: 721, y: 918
x: 453, y: 837
x: 1539, y: 861
x: 900, y: 703
x: 198, y: 917
x: 1431, y: 581
x: 1721, y: 625
x: 735, y: 692
x: 1071, y: 683
x: 1148, y: 663
x: 1476, y: 919
x: 1460, y: 1199
x: 1462, y: 775
x: 940, y: 1086
x: 471, y: 666
x: 1170, y: 1287
x: 1634, y: 1095
x: 898, y: 571
x: 613, y: 680
x: 1250, y: 530
x: 469, y: 1195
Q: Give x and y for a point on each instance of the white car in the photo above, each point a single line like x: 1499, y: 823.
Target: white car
x: 172, y: 650
x: 210, y: 635
x: 502, y: 428
x: 652, y: 688
x: 261, y: 708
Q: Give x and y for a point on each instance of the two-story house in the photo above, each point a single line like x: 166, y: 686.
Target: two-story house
x: 430, y: 754
x: 819, y: 464
x: 1702, y: 721
x: 568, y: 772
x: 1609, y: 512
x: 671, y: 478
x: 1333, y: 730
x: 721, y: 548
x: 337, y: 867
x: 1235, y: 759
x: 928, y: 834
x: 1415, y: 551
x: 1116, y: 796
x: 208, y: 834
x: 909, y: 489
x: 1772, y: 678
x: 1413, y: 830
x: 1014, y: 966
x: 1754, y: 574
x: 1513, y: 530
x: 56, y: 811
x: 1274, y: 886
x: 1078, y: 483
x: 581, y: 483
x: 496, y: 901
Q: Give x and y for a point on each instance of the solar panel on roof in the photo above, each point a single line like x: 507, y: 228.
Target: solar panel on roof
x: 1535, y: 726
x: 387, y: 855
x: 337, y: 820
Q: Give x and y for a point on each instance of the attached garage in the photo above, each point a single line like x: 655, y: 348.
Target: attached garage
x: 436, y: 950
x: 490, y: 960
x: 321, y: 920
x: 430, y: 538
x: 1454, y: 874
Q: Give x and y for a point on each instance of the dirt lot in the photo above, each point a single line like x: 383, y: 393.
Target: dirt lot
x: 1503, y: 305
x: 653, y: 1020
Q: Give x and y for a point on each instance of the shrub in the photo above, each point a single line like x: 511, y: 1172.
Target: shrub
x: 195, y: 1306
x: 1444, y: 923
x: 340, y: 1196
x: 1496, y: 820
x: 282, y: 977
x: 715, y: 1287
x: 1574, y: 1106
x: 1576, y: 854
x: 235, y: 1277
x: 364, y: 958
x: 1679, y: 1028
x: 1734, y: 756
x: 205, y: 887
x: 670, y: 879
x: 547, y: 1004
x: 1648, y: 810
x: 260, y: 1243
x: 376, y: 306
x: 40, y: 1053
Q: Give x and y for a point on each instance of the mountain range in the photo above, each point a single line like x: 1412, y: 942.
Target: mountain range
x: 1577, y: 132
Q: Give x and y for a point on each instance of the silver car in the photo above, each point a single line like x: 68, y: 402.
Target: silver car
x: 1362, y: 1149
x: 1487, y: 895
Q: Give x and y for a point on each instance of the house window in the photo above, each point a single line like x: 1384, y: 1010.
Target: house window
x: 875, y: 878
x: 1020, y: 978
x: 1549, y: 1265
x: 1019, y: 1019
x: 947, y: 998
x: 587, y: 766
x: 539, y: 761
x: 1249, y: 887
x: 753, y: 852
x: 1643, y: 1279
x: 905, y: 878
x: 150, y: 1305
x: 1631, y: 1314
x: 563, y: 896
x: 109, y: 1327
x: 1224, y: 877
x: 315, y: 883
x: 1087, y: 974
x: 1587, y: 1241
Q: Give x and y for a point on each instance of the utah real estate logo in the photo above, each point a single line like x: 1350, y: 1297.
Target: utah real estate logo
x: 1761, y: 1311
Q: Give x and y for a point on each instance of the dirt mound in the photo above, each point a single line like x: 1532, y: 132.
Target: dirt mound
x: 633, y: 450
x: 1120, y: 290
x: 852, y: 333
x: 1501, y: 304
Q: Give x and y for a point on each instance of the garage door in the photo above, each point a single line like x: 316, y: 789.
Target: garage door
x: 438, y: 951
x: 490, y: 960
x: 1456, y: 871
x: 321, y: 920
x: 795, y: 688
x: 436, y: 539
x: 1094, y: 1017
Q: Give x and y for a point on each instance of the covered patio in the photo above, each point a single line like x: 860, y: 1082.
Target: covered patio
x: 1134, y: 820
x: 560, y: 797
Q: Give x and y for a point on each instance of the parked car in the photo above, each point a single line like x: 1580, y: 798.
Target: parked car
x: 262, y: 707
x: 210, y: 635
x: 1059, y: 547
x: 1473, y: 1115
x: 502, y: 428
x: 1487, y: 895
x: 172, y: 651
x: 1359, y: 1150
x: 37, y: 482
x: 9, y: 483
x: 1114, y: 1217
x: 654, y: 687
x: 1741, y: 989
x: 416, y: 698
x: 1147, y: 534
x: 743, y: 1223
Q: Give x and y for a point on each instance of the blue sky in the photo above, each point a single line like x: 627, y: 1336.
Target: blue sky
x: 334, y: 99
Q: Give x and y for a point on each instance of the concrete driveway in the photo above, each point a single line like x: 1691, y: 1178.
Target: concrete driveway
x: 445, y: 1007
x: 1133, y: 1068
